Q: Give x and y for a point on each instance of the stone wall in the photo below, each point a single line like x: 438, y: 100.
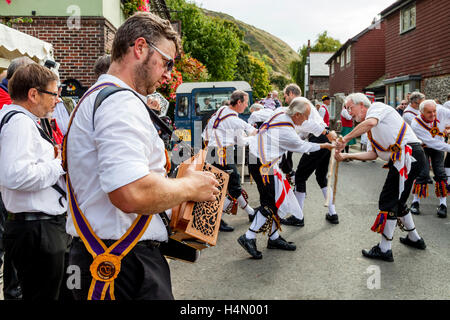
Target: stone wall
x: 437, y: 87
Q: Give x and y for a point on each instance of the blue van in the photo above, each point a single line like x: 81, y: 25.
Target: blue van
x: 197, y: 101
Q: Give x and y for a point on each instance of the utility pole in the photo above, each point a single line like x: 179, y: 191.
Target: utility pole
x: 308, y: 64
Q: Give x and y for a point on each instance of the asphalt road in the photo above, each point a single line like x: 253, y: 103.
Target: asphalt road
x: 328, y: 263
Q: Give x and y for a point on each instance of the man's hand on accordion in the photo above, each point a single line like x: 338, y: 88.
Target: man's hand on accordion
x: 201, y: 185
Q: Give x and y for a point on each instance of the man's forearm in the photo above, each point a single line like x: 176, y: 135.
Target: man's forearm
x: 360, y: 129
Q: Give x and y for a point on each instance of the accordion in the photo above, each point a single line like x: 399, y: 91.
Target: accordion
x: 197, y: 223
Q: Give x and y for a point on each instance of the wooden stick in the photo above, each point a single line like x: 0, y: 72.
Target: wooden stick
x: 243, y: 164
x: 335, y: 180
x: 330, y: 174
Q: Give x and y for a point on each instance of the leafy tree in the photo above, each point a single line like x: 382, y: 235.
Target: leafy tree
x: 259, y: 78
x: 323, y: 43
x: 210, y: 40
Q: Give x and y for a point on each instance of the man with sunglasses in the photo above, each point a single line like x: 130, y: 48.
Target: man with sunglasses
x: 116, y: 172
x: 32, y: 184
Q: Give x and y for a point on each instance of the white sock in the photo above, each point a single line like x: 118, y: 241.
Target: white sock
x: 226, y: 203
x: 331, y: 208
x: 274, y: 232
x: 443, y: 200
x: 388, y: 231
x: 301, y: 199
x: 257, y: 223
x: 416, y: 198
x: 408, y: 222
x: 447, y: 172
x: 244, y: 205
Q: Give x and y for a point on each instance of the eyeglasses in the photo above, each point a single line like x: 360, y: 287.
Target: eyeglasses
x: 48, y: 92
x: 170, y: 62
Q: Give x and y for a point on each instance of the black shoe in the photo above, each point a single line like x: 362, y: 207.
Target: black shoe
x: 334, y: 219
x: 376, y: 253
x: 250, y: 246
x: 442, y: 211
x: 251, y: 217
x: 280, y: 243
x: 419, y: 244
x: 225, y: 227
x: 293, y: 221
x: 414, y: 208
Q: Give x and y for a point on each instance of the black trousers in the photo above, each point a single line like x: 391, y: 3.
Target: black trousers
x: 437, y: 163
x: 447, y: 160
x: 144, y: 273
x: 36, y: 249
x: 266, y: 191
x: 313, y: 162
x: 389, y: 197
x: 234, y: 183
x: 286, y: 164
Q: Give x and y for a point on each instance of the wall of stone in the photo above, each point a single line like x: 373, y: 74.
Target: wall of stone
x: 437, y: 87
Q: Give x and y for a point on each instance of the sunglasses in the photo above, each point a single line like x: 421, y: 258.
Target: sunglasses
x: 170, y: 63
x: 47, y: 92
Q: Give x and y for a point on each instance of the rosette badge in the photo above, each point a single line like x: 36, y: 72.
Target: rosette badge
x: 105, y: 267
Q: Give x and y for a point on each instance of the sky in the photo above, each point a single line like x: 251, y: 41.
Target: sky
x: 296, y: 21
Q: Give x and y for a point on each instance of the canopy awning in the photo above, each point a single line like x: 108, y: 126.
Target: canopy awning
x: 14, y: 43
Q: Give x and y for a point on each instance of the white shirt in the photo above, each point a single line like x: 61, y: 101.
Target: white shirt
x: 409, y: 114
x: 386, y: 131
x: 323, y: 110
x: 278, y: 140
x: 447, y: 104
x: 123, y: 148
x: 345, y: 114
x: 438, y: 142
x: 62, y: 117
x: 260, y: 115
x: 229, y: 131
x: 314, y: 125
x: 28, y: 167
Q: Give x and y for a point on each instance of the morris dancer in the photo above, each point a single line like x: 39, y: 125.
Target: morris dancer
x: 224, y: 130
x: 276, y: 136
x: 391, y: 139
x: 430, y: 128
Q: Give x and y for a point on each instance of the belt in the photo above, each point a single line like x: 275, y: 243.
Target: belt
x: 30, y: 216
x: 145, y: 243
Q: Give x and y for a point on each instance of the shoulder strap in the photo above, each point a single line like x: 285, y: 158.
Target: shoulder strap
x: 106, y: 92
x: 68, y: 104
x: 5, y: 120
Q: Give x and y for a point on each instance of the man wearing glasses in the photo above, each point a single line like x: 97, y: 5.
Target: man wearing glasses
x: 116, y: 172
x: 32, y: 184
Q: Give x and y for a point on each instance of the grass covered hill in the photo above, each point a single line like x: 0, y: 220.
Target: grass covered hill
x: 264, y: 43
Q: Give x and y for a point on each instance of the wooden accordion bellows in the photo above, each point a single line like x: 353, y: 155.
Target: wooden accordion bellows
x: 197, y: 223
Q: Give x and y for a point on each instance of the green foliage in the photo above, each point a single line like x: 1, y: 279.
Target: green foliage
x: 279, y: 81
x: 212, y: 41
x: 191, y: 69
x: 323, y: 43
x: 259, y: 78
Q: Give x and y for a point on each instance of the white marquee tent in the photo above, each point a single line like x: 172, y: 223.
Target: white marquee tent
x: 15, y: 44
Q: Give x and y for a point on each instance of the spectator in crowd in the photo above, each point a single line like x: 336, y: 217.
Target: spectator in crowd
x: 32, y: 185
x: 11, y: 287
x: 102, y: 64
x: 401, y: 107
x: 275, y: 99
x: 14, y: 65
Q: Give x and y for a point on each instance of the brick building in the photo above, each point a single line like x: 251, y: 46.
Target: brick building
x: 357, y: 64
x: 79, y: 33
x: 417, y: 49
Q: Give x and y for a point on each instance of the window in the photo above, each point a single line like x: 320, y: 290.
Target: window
x: 342, y: 59
x: 408, y: 18
x: 349, y: 54
x: 183, y: 107
x: 207, y: 101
